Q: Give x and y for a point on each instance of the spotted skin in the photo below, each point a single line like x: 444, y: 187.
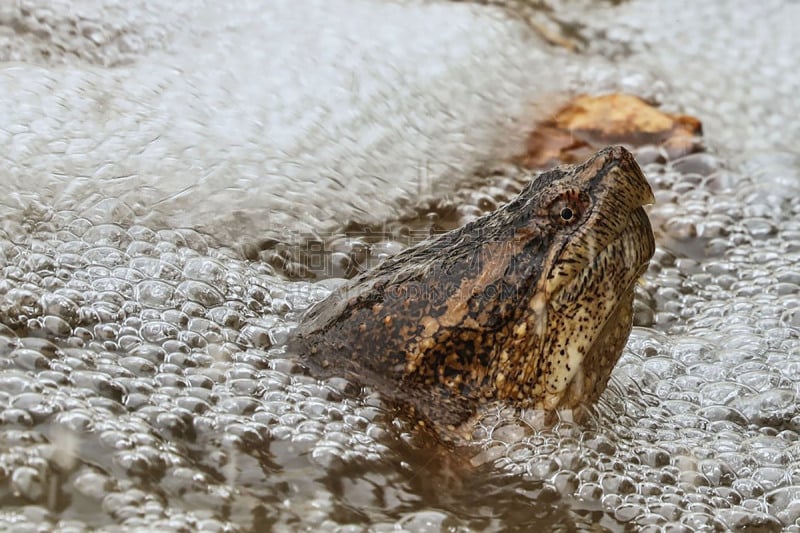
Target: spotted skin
x: 530, y: 304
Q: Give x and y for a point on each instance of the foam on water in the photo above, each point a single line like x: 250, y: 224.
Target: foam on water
x: 247, y: 121
x: 144, y: 381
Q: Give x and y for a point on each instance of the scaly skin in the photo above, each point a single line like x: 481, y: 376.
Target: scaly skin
x: 530, y: 304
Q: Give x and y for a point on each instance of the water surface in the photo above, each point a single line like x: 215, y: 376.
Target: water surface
x: 144, y: 380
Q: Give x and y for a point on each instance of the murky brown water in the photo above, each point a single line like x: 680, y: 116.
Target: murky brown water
x: 149, y: 152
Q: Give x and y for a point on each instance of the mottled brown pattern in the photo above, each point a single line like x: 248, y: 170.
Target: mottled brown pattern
x: 531, y: 304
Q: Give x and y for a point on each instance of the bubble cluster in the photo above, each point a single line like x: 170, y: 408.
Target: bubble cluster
x: 102, y: 33
x: 135, y: 358
x: 224, y: 120
x: 144, y: 373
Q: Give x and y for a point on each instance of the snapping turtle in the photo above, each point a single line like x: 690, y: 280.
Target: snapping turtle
x: 530, y: 304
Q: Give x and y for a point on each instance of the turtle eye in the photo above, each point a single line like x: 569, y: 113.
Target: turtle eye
x: 567, y: 208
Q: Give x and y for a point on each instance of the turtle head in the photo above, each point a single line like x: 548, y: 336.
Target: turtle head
x: 578, y: 311
x: 531, y: 303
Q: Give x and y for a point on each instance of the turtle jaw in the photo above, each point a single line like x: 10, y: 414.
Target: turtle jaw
x: 590, y: 380
x: 590, y: 317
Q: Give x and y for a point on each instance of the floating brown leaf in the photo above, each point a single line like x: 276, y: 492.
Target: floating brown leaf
x: 590, y: 122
